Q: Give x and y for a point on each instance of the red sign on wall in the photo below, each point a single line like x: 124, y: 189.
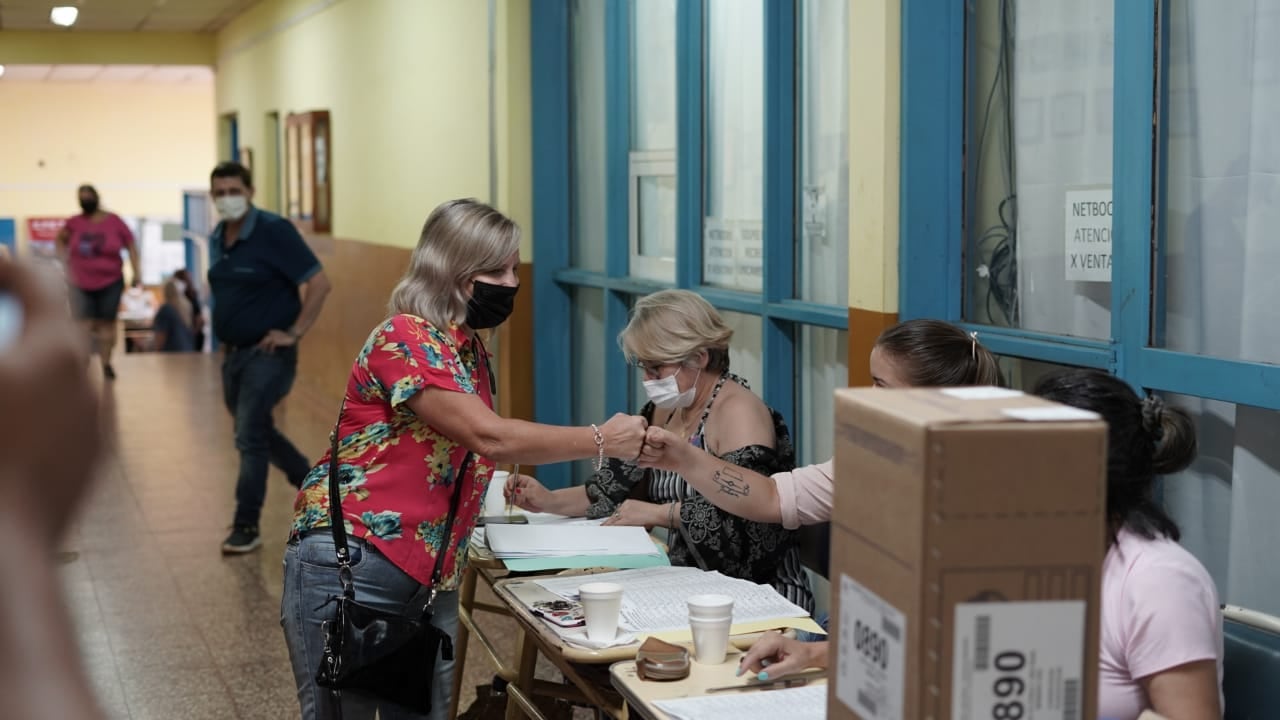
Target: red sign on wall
x: 43, y: 234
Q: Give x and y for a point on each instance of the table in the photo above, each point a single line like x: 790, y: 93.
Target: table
x: 575, y: 663
x: 482, y: 564
x: 641, y: 694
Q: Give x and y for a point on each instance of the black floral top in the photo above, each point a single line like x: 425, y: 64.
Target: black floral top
x: 710, y: 538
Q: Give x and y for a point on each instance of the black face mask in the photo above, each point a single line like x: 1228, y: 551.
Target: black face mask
x: 89, y: 207
x: 489, y: 305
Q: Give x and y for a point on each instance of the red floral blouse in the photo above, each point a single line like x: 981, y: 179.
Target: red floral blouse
x: 396, y: 472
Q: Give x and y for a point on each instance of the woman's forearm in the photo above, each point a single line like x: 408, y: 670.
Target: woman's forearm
x: 571, y: 501
x: 736, y: 490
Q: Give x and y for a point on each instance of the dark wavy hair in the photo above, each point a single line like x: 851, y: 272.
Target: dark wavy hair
x: 1145, y: 438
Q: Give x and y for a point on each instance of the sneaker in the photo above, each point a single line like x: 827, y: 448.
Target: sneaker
x: 243, y: 539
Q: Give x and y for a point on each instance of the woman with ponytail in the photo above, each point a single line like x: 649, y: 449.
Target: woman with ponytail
x: 1161, y: 623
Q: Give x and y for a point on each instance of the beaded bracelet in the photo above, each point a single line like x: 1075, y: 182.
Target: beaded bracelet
x: 599, y: 438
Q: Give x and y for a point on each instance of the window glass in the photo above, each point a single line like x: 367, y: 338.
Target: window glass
x: 589, y: 152
x: 652, y: 161
x: 822, y: 259
x: 824, y: 368
x: 589, y: 346
x: 1223, y: 181
x: 733, y: 251
x: 1038, y: 179
x: 1225, y: 503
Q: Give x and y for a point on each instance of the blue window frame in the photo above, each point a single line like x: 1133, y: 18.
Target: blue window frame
x: 779, y: 311
x: 932, y: 210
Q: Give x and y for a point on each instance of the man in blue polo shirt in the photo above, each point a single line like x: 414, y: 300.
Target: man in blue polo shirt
x: 268, y: 288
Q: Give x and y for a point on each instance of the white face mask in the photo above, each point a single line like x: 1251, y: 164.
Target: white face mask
x: 665, y: 392
x: 231, y: 207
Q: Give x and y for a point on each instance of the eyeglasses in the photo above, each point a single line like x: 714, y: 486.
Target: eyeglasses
x: 652, y: 368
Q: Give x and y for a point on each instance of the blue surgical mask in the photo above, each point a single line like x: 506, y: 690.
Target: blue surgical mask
x: 665, y: 392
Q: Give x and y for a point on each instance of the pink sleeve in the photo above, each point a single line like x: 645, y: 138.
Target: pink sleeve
x: 1173, y: 616
x: 805, y: 494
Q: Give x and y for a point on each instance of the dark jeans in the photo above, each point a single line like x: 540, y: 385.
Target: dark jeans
x: 310, y: 579
x: 253, y: 381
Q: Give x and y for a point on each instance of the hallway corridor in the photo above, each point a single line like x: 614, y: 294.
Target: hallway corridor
x: 168, y: 626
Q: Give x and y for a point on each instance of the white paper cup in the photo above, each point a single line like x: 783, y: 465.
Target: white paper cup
x: 494, y: 501
x: 710, y: 607
x: 601, y: 605
x: 710, y: 639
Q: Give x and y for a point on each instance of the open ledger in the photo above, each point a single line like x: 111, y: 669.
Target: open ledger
x: 804, y: 703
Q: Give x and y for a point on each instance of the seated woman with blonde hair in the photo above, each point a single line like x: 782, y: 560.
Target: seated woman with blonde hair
x: 681, y: 344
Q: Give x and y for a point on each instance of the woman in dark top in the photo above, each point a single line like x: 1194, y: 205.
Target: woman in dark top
x: 172, y: 324
x: 681, y: 344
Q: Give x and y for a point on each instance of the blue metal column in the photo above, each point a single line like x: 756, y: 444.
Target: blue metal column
x: 1132, y: 190
x: 617, y: 376
x: 780, y: 199
x: 550, y: 45
x: 690, y: 183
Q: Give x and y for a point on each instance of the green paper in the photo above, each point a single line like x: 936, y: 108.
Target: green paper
x: 619, y: 562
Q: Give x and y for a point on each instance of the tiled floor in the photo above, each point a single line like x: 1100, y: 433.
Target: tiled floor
x: 169, y: 628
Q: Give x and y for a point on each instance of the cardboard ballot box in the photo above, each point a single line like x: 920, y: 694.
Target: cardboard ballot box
x: 967, y: 545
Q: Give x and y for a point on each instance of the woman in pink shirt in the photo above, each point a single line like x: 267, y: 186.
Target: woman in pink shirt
x: 1161, y: 623
x: 91, y: 244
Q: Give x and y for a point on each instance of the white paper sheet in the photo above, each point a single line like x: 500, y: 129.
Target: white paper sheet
x: 802, y: 703
x: 561, y: 540
x: 655, y: 599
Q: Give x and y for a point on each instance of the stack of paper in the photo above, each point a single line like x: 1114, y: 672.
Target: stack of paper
x: 540, y: 541
x: 806, y: 703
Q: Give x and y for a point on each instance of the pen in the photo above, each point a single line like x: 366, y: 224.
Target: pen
x: 797, y: 680
x: 511, y: 498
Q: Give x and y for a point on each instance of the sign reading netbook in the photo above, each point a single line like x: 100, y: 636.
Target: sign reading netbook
x: 966, y: 556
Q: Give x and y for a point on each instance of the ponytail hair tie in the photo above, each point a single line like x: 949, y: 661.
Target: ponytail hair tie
x: 1153, y: 416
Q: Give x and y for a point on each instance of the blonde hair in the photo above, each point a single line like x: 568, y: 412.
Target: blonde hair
x: 672, y: 326
x: 174, y: 298
x: 460, y: 239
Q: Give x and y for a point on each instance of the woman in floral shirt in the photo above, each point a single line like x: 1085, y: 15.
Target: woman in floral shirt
x: 419, y: 398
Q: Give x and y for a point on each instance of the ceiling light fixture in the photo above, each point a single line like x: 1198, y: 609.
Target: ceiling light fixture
x: 64, y: 15
x: 1, y: 71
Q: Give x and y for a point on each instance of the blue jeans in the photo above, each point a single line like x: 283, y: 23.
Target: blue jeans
x: 310, y: 579
x: 253, y: 381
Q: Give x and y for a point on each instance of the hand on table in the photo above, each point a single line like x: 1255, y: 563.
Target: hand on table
x: 775, y: 655
x: 638, y: 512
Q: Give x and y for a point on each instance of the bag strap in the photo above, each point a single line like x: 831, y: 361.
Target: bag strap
x: 339, y: 528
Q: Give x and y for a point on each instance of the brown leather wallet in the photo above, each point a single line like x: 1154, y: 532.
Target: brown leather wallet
x: 658, y: 660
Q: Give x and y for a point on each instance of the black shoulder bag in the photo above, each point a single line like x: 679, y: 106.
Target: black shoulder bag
x: 375, y: 652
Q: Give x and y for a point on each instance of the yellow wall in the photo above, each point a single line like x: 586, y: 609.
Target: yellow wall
x: 874, y: 115
x: 406, y: 85
x: 140, y: 144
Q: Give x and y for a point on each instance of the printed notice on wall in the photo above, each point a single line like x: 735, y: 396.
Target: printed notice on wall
x: 1088, y: 234
x: 717, y: 252
x: 870, y: 663
x: 1018, y: 660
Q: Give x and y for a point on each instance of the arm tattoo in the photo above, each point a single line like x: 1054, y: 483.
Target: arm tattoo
x: 731, y: 482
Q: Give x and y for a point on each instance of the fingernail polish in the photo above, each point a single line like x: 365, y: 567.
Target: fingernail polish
x: 739, y: 672
x: 762, y: 676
